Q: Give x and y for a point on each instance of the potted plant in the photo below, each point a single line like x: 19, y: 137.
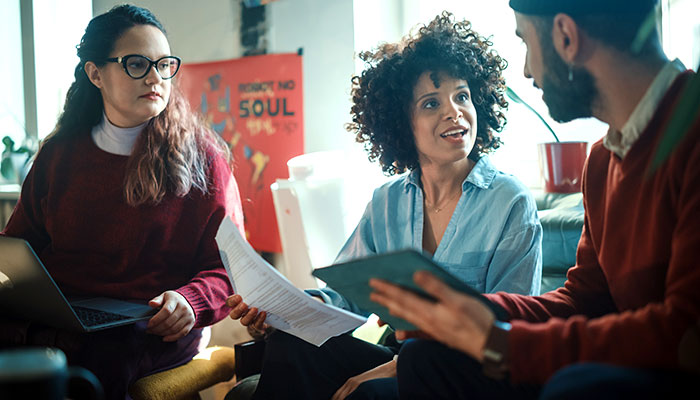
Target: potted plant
x: 15, y: 162
x: 561, y: 163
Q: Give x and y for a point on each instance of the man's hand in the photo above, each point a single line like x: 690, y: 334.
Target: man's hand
x: 250, y: 317
x: 404, y: 335
x: 457, y: 320
x: 175, y: 318
x: 386, y: 370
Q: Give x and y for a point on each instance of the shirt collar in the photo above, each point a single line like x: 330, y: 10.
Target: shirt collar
x: 114, y: 139
x: 481, y: 175
x: 621, y: 142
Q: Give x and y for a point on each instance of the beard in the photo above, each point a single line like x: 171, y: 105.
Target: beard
x: 566, y: 99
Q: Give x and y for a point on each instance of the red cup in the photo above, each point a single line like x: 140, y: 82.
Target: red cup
x: 561, y: 165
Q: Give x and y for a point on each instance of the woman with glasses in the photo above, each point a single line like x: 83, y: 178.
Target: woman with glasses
x: 124, y: 200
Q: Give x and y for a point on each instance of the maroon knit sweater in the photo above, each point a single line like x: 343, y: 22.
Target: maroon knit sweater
x: 633, y: 297
x: 73, y: 212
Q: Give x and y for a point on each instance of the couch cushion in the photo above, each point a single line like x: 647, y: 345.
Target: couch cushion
x: 561, y: 216
x: 551, y: 281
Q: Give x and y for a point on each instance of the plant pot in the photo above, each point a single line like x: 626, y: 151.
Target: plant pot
x: 561, y: 165
x: 12, y: 167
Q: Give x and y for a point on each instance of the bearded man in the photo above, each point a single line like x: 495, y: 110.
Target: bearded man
x: 626, y: 324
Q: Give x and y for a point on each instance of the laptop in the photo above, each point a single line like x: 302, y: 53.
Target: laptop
x: 28, y: 292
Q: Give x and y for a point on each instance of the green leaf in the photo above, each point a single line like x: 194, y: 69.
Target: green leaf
x: 645, y: 29
x: 9, y: 144
x: 513, y: 96
x: 683, y: 116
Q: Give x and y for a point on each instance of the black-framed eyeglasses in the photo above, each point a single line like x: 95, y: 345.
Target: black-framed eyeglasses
x: 138, y: 66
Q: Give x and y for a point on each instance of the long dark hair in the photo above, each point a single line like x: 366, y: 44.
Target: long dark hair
x: 171, y: 153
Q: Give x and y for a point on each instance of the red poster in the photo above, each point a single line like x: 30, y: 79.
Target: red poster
x: 255, y: 104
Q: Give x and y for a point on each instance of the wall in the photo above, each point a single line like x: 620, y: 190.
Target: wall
x: 208, y: 31
x: 324, y: 29
x: 377, y: 22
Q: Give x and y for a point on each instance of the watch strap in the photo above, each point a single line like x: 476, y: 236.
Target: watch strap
x: 495, y: 355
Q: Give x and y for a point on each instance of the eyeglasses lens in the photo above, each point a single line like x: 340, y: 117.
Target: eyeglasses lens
x: 138, y: 66
x: 167, y: 67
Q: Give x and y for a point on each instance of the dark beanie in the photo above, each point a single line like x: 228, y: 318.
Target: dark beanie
x: 582, y: 7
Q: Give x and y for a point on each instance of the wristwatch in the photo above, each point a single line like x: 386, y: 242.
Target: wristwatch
x: 495, y: 355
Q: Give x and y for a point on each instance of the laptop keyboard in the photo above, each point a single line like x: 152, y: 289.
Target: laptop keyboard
x: 92, y: 317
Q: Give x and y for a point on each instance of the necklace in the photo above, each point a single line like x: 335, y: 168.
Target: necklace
x: 438, y: 209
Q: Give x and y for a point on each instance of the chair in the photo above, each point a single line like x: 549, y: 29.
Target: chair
x: 209, y: 374
x: 295, y: 248
x: 211, y: 366
x: 318, y: 207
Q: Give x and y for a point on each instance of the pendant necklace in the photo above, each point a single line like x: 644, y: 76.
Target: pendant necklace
x: 438, y: 209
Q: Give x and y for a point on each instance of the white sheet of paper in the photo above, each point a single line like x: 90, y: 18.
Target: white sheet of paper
x: 288, y: 308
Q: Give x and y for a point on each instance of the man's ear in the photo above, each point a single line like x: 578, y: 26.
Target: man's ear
x: 93, y: 73
x: 566, y: 38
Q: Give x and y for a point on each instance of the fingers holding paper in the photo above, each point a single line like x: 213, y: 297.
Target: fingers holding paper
x: 250, y: 317
x: 455, y: 319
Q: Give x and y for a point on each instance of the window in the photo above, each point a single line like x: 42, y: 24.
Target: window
x: 55, y: 29
x: 58, y: 27
x: 11, y: 74
x: 680, y: 30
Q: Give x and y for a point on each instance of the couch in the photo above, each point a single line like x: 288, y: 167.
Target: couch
x: 561, y: 216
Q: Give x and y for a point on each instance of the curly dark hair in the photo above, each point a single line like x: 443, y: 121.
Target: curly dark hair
x: 381, y: 113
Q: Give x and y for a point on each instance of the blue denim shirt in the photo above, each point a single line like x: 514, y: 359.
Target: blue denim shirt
x: 492, y: 242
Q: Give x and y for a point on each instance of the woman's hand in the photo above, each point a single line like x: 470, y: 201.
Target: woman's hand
x: 386, y: 370
x: 175, y: 318
x: 457, y: 320
x: 249, y: 317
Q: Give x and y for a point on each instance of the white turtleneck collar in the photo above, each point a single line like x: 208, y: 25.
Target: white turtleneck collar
x: 114, y: 139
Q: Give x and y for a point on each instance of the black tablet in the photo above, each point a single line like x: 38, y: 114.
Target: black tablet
x: 351, y: 279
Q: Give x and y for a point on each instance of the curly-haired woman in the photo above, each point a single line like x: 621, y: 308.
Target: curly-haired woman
x: 429, y: 105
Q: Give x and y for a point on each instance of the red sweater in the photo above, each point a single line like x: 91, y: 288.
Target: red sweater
x: 633, y: 297
x: 73, y: 213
